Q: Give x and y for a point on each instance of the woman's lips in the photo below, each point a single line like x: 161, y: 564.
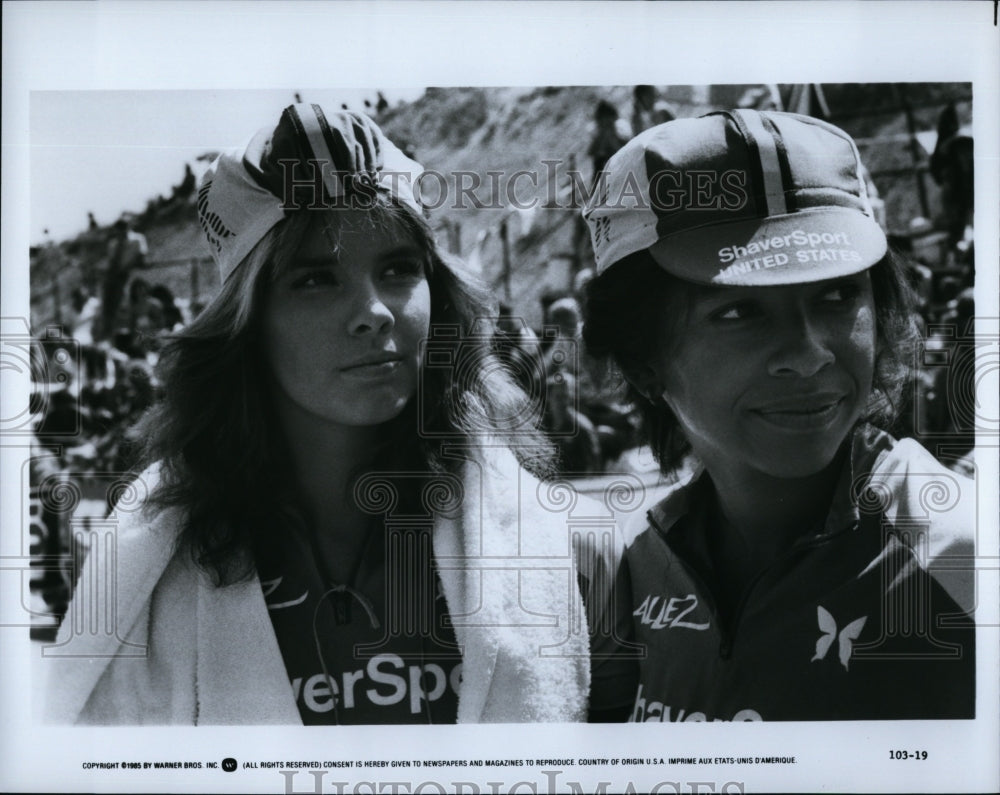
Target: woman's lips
x: 373, y: 368
x: 810, y: 413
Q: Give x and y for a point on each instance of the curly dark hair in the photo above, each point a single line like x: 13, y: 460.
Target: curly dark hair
x: 213, y: 435
x: 624, y: 316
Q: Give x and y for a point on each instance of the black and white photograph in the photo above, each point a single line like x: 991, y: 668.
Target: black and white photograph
x: 487, y: 364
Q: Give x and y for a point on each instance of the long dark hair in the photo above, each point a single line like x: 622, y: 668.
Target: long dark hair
x: 624, y: 316
x: 221, y: 461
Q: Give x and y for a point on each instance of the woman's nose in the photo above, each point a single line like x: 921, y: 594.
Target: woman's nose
x: 370, y: 313
x: 801, y: 348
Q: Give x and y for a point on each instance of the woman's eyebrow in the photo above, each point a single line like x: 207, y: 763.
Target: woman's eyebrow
x: 403, y: 249
x: 333, y: 261
x: 850, y: 277
x: 302, y: 263
x: 716, y: 293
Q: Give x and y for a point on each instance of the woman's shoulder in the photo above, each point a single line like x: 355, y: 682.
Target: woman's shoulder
x: 137, y: 545
x: 666, y: 501
x: 911, y: 488
x: 143, y: 526
x: 540, y: 506
x: 912, y: 482
x: 509, y: 474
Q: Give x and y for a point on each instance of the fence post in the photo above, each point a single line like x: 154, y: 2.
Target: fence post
x: 194, y: 283
x: 57, y: 298
x: 914, y: 150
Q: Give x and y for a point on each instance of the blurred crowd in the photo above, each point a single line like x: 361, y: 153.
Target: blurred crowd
x: 101, y: 367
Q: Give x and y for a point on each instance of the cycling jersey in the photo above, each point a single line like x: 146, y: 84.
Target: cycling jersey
x: 869, y: 618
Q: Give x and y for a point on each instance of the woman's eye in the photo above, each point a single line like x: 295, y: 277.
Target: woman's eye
x: 313, y: 279
x: 404, y: 268
x: 739, y: 311
x: 841, y: 293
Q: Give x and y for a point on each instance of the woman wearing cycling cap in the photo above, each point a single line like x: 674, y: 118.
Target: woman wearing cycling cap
x: 807, y: 565
x: 336, y: 524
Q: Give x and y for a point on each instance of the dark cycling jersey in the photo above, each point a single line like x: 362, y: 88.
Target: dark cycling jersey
x: 867, y: 619
x: 380, y: 650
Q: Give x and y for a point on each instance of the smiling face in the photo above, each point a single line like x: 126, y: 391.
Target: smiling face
x: 342, y: 325
x: 770, y: 380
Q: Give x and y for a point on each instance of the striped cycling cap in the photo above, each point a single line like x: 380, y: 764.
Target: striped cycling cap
x: 738, y: 197
x: 310, y: 160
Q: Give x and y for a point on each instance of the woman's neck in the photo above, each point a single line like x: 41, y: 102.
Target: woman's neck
x: 326, y: 458
x: 764, y: 515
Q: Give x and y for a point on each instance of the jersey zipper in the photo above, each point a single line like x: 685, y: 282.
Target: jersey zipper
x: 700, y: 583
x: 728, y: 634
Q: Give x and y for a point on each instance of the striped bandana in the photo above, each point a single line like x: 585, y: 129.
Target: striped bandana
x: 308, y: 161
x: 738, y: 197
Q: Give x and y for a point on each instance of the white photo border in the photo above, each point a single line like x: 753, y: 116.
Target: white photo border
x: 241, y: 46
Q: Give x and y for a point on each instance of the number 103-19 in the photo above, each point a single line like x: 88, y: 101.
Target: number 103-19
x: 907, y: 754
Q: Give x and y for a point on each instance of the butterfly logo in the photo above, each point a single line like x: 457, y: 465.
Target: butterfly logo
x: 828, y: 626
